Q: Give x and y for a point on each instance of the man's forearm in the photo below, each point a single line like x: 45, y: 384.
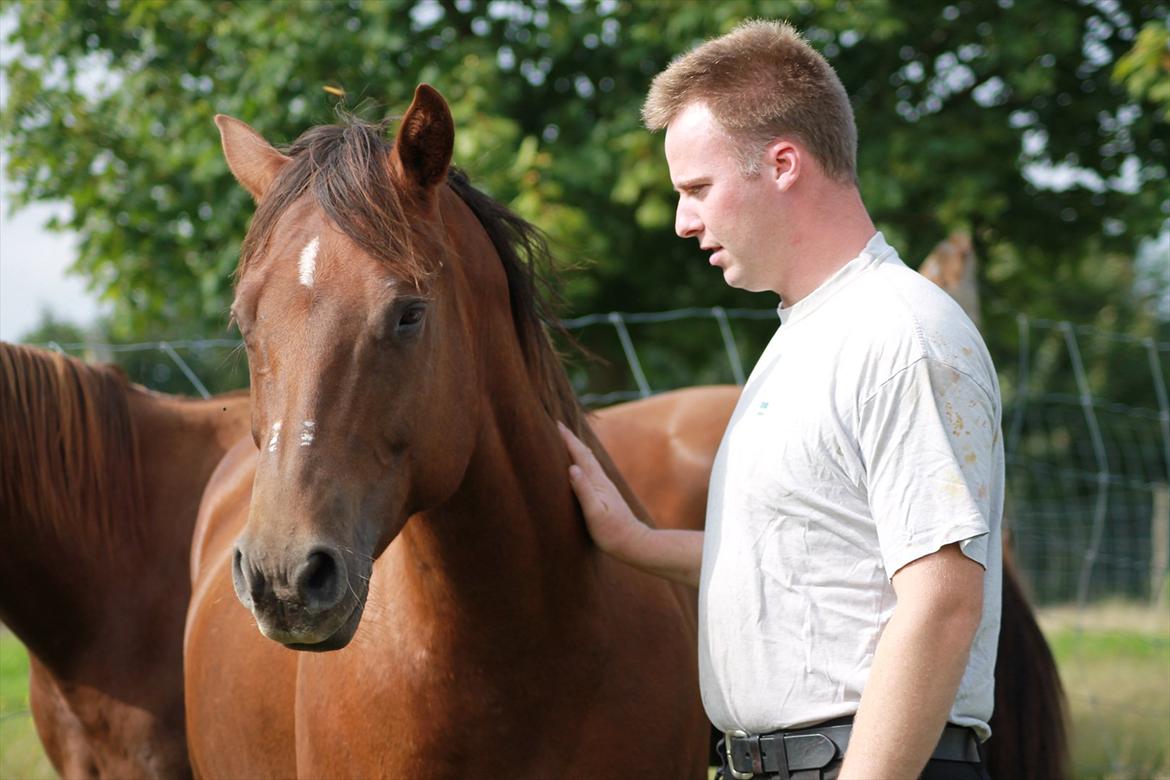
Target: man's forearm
x: 674, y: 554
x: 917, y: 667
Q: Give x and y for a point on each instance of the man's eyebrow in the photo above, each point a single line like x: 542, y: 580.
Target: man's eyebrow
x: 687, y: 184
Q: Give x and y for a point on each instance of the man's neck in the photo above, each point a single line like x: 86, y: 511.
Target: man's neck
x: 832, y: 230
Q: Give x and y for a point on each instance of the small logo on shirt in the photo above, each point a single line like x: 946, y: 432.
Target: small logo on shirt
x: 763, y: 407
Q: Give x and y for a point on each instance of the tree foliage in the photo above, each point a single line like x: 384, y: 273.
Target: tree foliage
x: 959, y: 105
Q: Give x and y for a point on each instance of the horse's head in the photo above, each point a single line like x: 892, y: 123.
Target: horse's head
x: 364, y: 383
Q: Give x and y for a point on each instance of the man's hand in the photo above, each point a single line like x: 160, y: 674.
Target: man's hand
x: 610, y: 521
x: 676, y: 555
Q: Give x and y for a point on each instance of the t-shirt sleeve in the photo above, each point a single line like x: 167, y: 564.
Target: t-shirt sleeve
x: 928, y: 437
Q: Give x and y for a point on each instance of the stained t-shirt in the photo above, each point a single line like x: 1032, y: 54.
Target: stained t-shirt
x: 867, y: 436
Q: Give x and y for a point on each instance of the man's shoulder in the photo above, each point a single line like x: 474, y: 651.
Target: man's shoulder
x: 900, y: 318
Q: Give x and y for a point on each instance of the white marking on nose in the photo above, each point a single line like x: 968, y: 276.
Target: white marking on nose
x: 272, y: 442
x: 307, y: 432
x: 308, y: 262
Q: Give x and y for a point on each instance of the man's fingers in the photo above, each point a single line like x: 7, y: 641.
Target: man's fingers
x: 588, y: 494
x: 581, y: 455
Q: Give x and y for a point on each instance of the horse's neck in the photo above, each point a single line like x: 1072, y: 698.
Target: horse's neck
x: 132, y: 585
x: 511, y: 534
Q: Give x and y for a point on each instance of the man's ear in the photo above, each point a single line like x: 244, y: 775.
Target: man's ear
x: 783, y: 162
x: 425, y: 141
x: 252, y: 160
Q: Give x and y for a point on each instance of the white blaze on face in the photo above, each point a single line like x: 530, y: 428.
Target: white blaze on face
x: 275, y: 438
x: 307, y: 432
x: 308, y: 262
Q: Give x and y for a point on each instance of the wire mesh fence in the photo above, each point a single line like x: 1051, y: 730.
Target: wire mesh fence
x: 1087, y: 437
x: 1086, y: 424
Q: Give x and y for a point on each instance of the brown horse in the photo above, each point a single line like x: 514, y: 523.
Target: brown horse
x: 100, y: 481
x: 409, y: 519
x: 665, y: 446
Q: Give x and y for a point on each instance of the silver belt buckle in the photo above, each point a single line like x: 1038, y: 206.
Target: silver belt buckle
x: 727, y: 735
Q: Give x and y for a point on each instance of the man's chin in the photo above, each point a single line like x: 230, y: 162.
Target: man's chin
x: 732, y: 278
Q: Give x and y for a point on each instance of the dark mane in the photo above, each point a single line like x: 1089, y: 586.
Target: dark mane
x: 346, y: 168
x: 527, y: 261
x: 68, y: 451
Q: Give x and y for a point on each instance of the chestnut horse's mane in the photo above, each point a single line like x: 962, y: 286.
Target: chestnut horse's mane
x: 347, y: 170
x: 69, y: 458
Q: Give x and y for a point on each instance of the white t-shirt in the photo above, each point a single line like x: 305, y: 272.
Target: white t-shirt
x: 867, y: 436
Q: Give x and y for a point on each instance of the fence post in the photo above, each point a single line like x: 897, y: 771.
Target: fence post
x: 619, y: 325
x: 1102, y: 463
x: 186, y: 369
x: 729, y: 344
x: 1160, y: 545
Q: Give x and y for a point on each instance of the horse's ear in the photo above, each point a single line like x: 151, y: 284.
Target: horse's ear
x: 253, y: 161
x: 426, y: 139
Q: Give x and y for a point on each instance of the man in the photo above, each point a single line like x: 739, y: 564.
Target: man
x: 849, y: 573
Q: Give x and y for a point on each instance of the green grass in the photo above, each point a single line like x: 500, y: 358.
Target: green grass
x: 1115, y: 663
x: 21, y: 757
x: 1114, y: 660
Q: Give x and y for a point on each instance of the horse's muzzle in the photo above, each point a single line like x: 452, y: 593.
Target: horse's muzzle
x: 302, y: 604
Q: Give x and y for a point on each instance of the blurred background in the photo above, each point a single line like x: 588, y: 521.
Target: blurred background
x: 1037, y: 132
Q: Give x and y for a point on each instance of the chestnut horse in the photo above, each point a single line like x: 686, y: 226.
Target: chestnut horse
x: 100, y: 481
x: 663, y: 446
x: 409, y: 521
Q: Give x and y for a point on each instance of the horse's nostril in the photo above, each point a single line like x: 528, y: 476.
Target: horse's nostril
x: 249, y: 585
x: 320, y: 571
x: 319, y: 580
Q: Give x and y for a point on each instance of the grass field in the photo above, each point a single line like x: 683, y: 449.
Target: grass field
x: 1114, y: 660
x: 21, y: 757
x: 1115, y: 664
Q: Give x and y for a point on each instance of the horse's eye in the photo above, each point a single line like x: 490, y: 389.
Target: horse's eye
x: 412, y: 317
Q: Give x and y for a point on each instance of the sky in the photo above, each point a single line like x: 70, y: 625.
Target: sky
x: 33, y: 271
x: 33, y: 261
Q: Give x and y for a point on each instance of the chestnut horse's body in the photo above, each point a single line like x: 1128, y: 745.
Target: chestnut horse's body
x: 409, y: 515
x: 664, y: 446
x: 99, y: 487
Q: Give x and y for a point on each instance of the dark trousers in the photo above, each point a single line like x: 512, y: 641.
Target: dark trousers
x: 936, y: 769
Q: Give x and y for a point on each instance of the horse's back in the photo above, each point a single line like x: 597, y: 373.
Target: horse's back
x: 665, y: 446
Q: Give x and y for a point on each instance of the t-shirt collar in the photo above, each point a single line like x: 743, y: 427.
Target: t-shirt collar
x: 876, y: 249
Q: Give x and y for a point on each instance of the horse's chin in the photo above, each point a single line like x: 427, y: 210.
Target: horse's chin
x: 302, y: 638
x: 338, y: 639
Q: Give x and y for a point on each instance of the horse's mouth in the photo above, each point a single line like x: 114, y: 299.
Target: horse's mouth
x: 331, y: 632
x: 338, y: 639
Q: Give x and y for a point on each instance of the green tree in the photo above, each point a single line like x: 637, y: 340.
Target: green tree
x: 958, y: 104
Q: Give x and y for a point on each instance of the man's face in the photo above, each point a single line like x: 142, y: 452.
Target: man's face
x: 732, y: 216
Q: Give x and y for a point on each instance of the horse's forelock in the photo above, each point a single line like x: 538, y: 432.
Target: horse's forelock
x: 346, y: 169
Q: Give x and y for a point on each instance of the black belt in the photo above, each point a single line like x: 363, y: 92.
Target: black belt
x: 782, y: 752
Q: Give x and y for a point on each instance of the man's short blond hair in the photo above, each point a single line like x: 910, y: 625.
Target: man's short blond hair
x: 762, y: 81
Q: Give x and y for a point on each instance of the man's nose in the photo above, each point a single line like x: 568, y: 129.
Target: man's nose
x: 687, y: 222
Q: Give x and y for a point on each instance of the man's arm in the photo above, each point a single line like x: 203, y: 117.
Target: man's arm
x: 669, y: 553
x: 917, y: 666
